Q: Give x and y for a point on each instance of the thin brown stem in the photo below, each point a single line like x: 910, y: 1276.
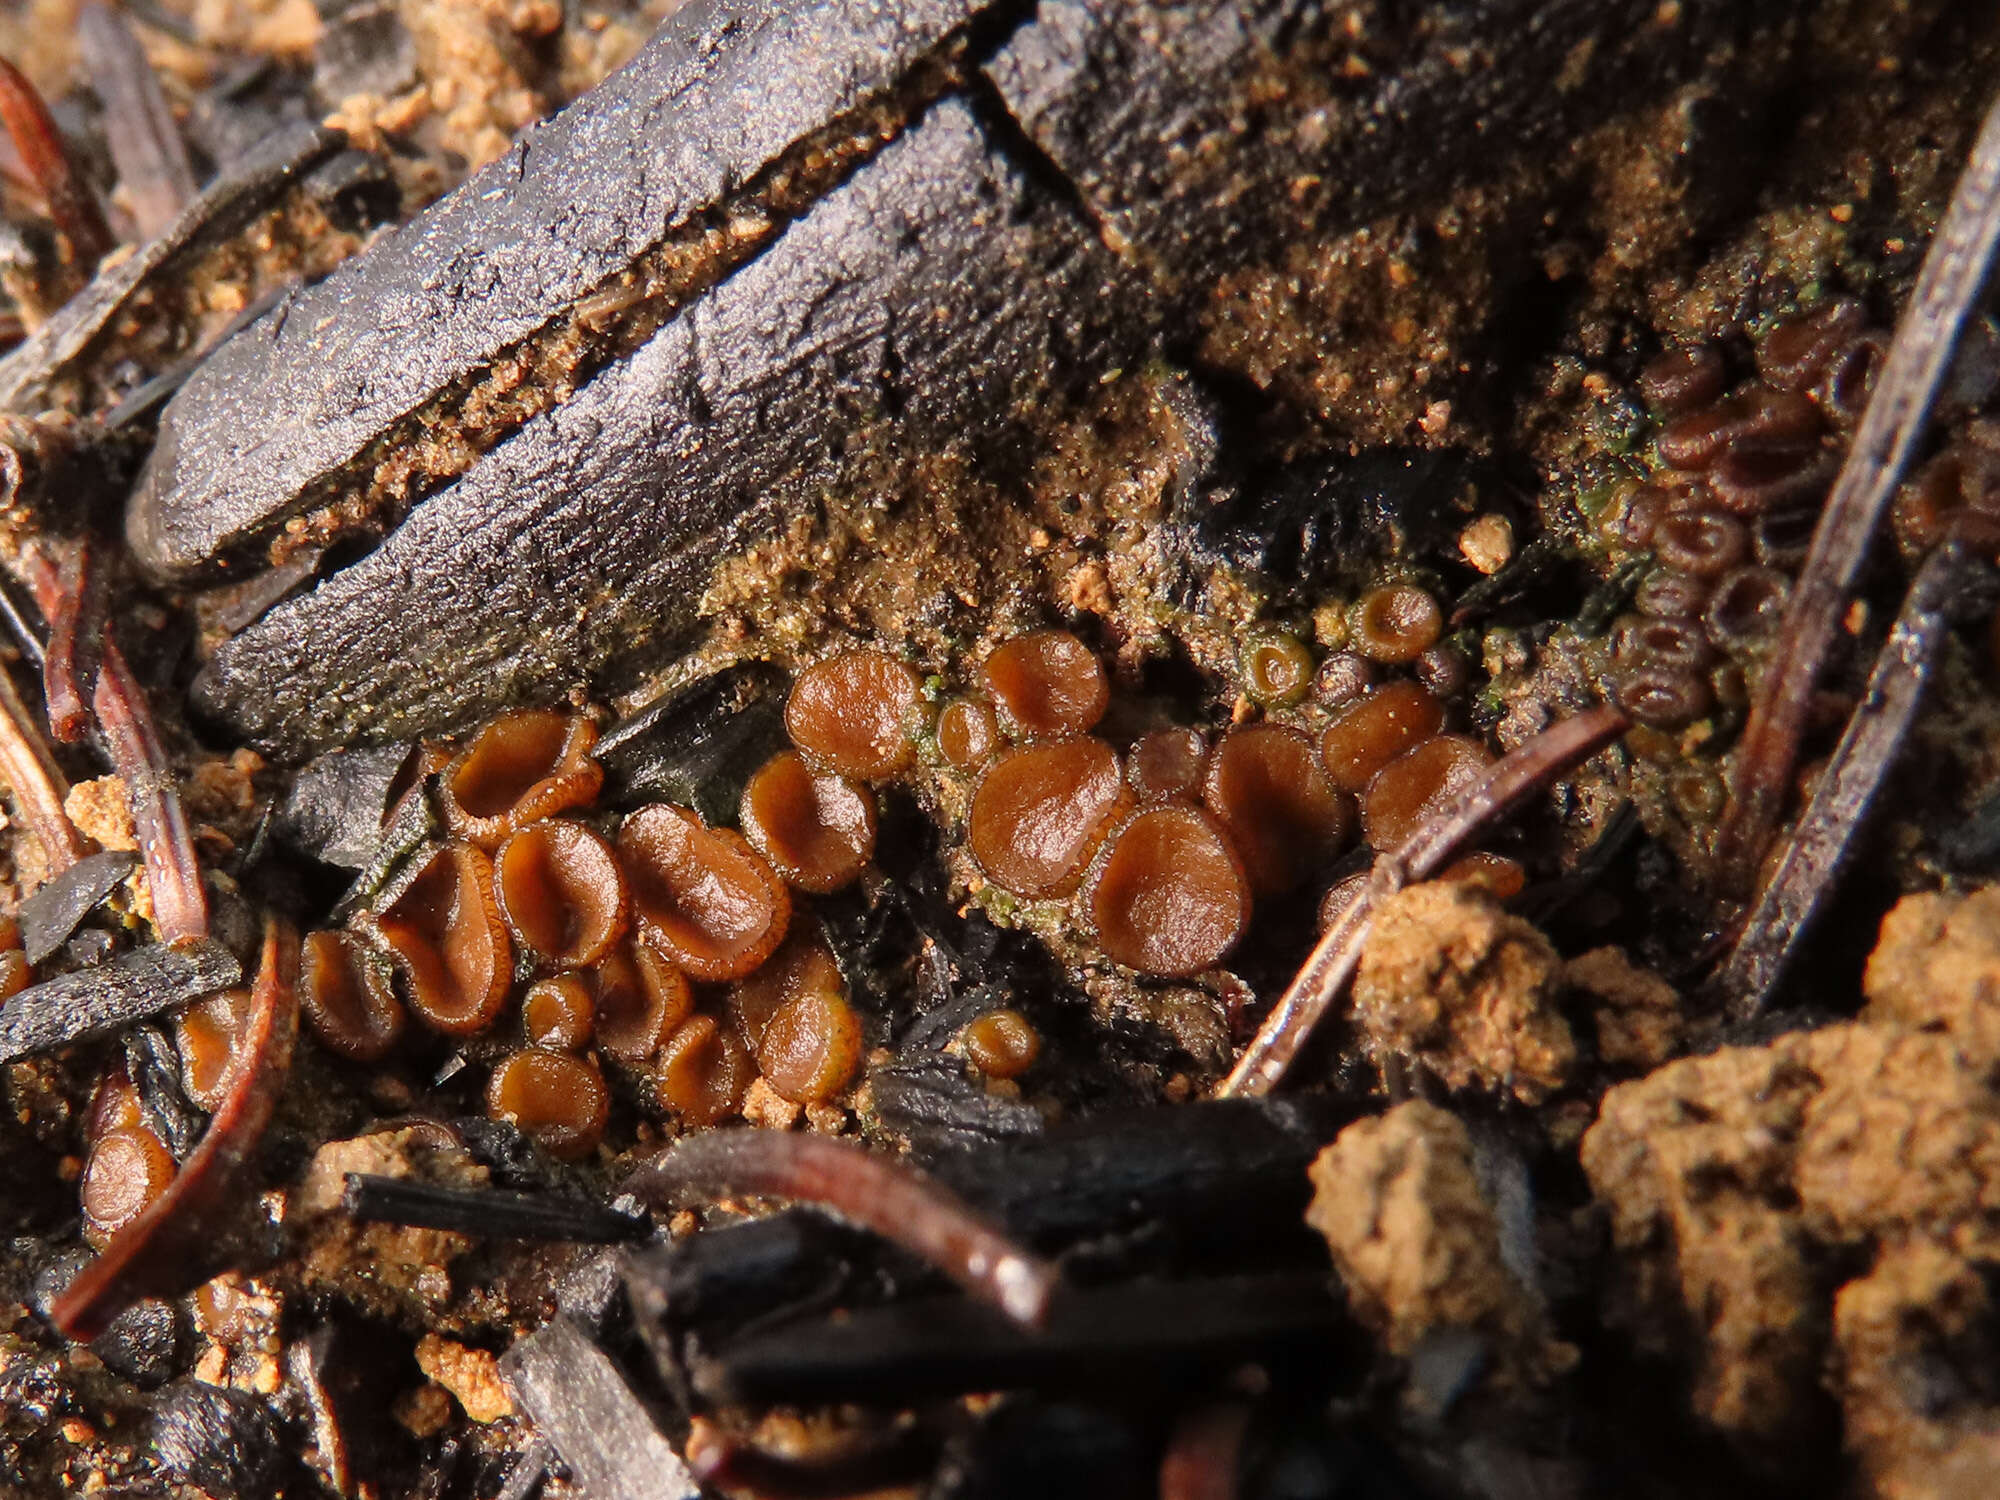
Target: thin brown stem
x: 896, y: 1202
x: 180, y: 905
x: 161, y: 1252
x: 1811, y: 862
x: 73, y: 607
x: 1333, y: 961
x: 47, y: 160
x: 145, y: 141
x: 1948, y: 287
x: 38, y: 786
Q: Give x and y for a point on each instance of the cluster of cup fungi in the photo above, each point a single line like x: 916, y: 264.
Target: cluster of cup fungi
x: 554, y: 938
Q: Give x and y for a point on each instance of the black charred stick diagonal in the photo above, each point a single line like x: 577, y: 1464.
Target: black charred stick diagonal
x: 1333, y: 961
x: 145, y: 142
x: 134, y: 987
x: 1954, y: 271
x: 896, y: 1202
x: 40, y: 146
x: 161, y: 1252
x: 1812, y: 859
x: 491, y: 1213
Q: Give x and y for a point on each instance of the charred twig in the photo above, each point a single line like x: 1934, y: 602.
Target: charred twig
x: 30, y: 770
x: 1953, y: 273
x: 51, y: 914
x: 244, y: 189
x: 180, y: 905
x: 1333, y: 961
x: 146, y: 144
x: 147, y: 982
x: 488, y: 1213
x: 155, y: 1253
x: 42, y: 152
x: 1821, y: 843
x: 576, y: 1398
x: 893, y: 1201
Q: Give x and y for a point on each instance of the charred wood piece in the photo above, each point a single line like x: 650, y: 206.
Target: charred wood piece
x: 488, y: 1213
x: 336, y: 805
x: 147, y: 982
x: 145, y: 142
x: 580, y: 1403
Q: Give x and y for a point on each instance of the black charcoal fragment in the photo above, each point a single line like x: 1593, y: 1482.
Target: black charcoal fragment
x: 932, y: 1104
x: 698, y: 745
x: 579, y: 1401
x: 366, y: 49
x: 336, y: 804
x: 1155, y: 1334
x: 489, y: 1213
x: 147, y: 982
x: 225, y: 1441
x: 719, y: 93
x: 52, y: 914
x: 153, y: 1064
x: 1053, y: 1450
x: 143, y: 136
x: 245, y: 189
x: 936, y: 284
x: 143, y: 1342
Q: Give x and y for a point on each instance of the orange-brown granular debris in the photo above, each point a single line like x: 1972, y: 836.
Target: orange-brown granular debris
x: 1417, y: 1244
x: 1450, y: 980
x: 472, y: 1375
x: 1638, y: 1014
x: 1936, y: 966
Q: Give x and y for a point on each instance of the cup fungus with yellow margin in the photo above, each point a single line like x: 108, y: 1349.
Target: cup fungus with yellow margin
x: 562, y: 892
x: 1168, y: 896
x: 1282, y: 813
x: 1049, y: 685
x: 818, y: 831
x: 703, y: 1071
x: 528, y: 764
x: 1001, y: 1044
x: 559, y: 1012
x: 703, y: 896
x: 557, y: 1100
x: 348, y: 997
x: 856, y: 713
x: 640, y: 999
x: 1038, y: 814
x: 446, y: 931
x: 205, y: 1035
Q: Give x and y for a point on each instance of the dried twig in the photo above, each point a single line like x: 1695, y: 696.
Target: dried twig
x: 173, y: 874
x: 38, y: 786
x: 1333, y: 961
x: 42, y: 152
x: 896, y: 1202
x: 73, y: 605
x: 158, y: 1253
x: 576, y: 1398
x: 489, y: 1213
x: 146, y: 144
x: 1819, y: 846
x: 1953, y: 273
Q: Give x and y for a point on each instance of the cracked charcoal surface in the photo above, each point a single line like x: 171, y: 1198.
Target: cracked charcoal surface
x: 688, y: 447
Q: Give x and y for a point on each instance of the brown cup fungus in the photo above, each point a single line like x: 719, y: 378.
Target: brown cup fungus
x: 556, y: 1100
x: 817, y: 831
x: 205, y: 1035
x: 1395, y: 623
x: 1001, y: 1044
x: 1277, y: 669
x: 446, y: 931
x: 1049, y: 685
x: 1281, y: 811
x: 703, y: 1072
x: 127, y: 1169
x: 1038, y: 814
x: 640, y: 999
x: 804, y: 964
x: 1500, y: 877
x: 525, y: 765
x: 707, y: 900
x: 561, y: 891
x: 1169, y: 896
x: 348, y: 997
x: 558, y: 1012
x: 1167, y: 763
x: 1410, y: 791
x: 1391, y: 721
x: 967, y: 733
x: 811, y: 1047
x: 856, y: 713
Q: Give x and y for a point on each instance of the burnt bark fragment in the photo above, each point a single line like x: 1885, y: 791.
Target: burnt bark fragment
x: 935, y: 285
x: 92, y: 1002
x: 336, y: 805
x: 54, y: 912
x: 720, y: 93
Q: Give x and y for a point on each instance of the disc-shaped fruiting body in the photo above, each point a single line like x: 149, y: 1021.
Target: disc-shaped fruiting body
x: 348, y: 997
x: 857, y: 713
x: 707, y: 900
x: 556, y: 1100
x: 1413, y: 789
x: 1039, y: 813
x: 559, y: 1012
x: 703, y: 1071
x: 1048, y: 684
x: 1280, y: 809
x: 525, y: 765
x: 447, y: 934
x: 1169, y: 896
x: 640, y: 999
x: 1373, y: 730
x: 817, y: 829
x: 967, y: 733
x: 1001, y: 1044
x: 562, y: 892
x: 1397, y: 622
x: 206, y: 1036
